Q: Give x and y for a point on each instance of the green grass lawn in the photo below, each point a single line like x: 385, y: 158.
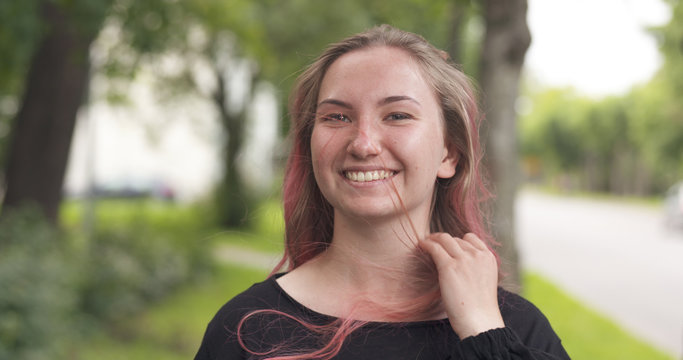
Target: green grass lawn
x: 585, y: 333
x: 265, y: 231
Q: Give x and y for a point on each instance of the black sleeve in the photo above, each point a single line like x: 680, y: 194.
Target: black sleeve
x: 259, y: 333
x: 527, y: 335
x: 220, y: 338
x: 502, y: 344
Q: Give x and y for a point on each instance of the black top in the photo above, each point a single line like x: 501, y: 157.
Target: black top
x: 527, y: 334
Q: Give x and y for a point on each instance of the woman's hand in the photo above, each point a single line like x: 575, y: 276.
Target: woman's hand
x: 468, y: 279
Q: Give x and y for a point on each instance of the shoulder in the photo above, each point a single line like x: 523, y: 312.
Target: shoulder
x: 527, y: 321
x: 261, y: 295
x: 265, y: 295
x: 515, y: 306
x: 221, y: 333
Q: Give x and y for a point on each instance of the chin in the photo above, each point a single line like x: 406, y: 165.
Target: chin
x: 372, y: 213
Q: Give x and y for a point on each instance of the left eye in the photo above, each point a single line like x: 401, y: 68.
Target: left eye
x: 398, y: 116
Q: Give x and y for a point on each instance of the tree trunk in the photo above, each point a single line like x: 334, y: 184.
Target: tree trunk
x: 456, y: 38
x: 506, y: 41
x: 233, y: 199
x: 41, y: 135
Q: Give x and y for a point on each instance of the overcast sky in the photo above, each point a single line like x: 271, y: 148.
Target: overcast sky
x: 599, y: 47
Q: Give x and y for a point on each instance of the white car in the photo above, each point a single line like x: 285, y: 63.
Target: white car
x: 674, y: 206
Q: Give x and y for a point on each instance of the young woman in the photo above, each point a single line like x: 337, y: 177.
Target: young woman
x: 387, y: 253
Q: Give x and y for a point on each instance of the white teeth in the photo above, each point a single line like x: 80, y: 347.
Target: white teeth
x: 365, y: 176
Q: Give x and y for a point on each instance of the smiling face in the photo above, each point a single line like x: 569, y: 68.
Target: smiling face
x: 378, y: 125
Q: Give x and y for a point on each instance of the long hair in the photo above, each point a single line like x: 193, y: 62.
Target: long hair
x: 456, y: 203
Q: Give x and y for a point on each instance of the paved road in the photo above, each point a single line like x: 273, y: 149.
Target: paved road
x: 617, y: 258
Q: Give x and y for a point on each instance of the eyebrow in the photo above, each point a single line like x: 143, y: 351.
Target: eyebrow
x: 392, y: 99
x: 336, y: 102
x: 387, y: 100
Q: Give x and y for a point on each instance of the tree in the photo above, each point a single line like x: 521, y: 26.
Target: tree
x: 506, y: 41
x: 670, y: 38
x: 54, y: 90
x: 671, y: 77
x: 206, y: 39
x: 20, y: 30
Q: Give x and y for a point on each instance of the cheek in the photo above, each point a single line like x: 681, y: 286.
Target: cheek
x: 321, y: 149
x: 426, y: 150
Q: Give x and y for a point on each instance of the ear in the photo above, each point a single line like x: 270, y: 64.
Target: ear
x: 448, y: 163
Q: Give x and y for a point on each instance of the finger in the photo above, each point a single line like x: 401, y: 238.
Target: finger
x: 449, y: 243
x: 475, y: 241
x: 437, y: 252
x: 455, y: 246
x: 481, y: 248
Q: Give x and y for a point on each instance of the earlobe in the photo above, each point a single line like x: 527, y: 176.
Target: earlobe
x: 448, y: 164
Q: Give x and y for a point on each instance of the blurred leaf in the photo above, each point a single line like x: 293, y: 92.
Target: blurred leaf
x: 37, y: 282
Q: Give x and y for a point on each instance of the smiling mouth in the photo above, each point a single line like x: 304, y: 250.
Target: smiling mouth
x: 367, y: 176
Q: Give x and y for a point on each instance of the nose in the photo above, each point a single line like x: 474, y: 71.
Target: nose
x: 364, y: 142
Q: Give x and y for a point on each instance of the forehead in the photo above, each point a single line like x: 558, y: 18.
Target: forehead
x: 375, y: 72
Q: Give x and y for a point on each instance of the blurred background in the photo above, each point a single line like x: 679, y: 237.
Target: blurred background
x: 142, y: 145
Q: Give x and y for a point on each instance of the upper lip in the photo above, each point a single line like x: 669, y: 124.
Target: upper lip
x: 365, y: 168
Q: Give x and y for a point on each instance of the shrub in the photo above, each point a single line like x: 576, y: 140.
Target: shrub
x: 56, y: 285
x: 128, y: 268
x: 137, y: 254
x: 37, y: 292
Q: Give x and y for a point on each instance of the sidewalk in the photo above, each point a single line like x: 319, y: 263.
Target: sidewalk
x: 616, y: 257
x: 235, y: 254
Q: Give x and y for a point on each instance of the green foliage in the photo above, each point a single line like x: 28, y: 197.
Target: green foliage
x: 149, y: 26
x: 294, y: 32
x: 554, y: 125
x: 137, y: 253
x: 20, y: 30
x: 128, y: 268
x: 623, y: 145
x: 670, y: 38
x: 173, y: 329
x: 585, y: 334
x: 268, y: 220
x: 280, y: 36
x: 656, y: 114
x: 264, y: 230
x: 37, y: 281
x: 55, y: 286
x: 86, y: 16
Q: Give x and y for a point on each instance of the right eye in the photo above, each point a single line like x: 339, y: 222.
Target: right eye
x: 336, y: 117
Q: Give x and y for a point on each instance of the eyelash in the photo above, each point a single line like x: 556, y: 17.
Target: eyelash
x: 336, y: 117
x: 344, y: 118
x: 403, y: 116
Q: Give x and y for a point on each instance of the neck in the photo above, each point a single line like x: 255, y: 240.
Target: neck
x: 369, y: 264
x: 373, y: 256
